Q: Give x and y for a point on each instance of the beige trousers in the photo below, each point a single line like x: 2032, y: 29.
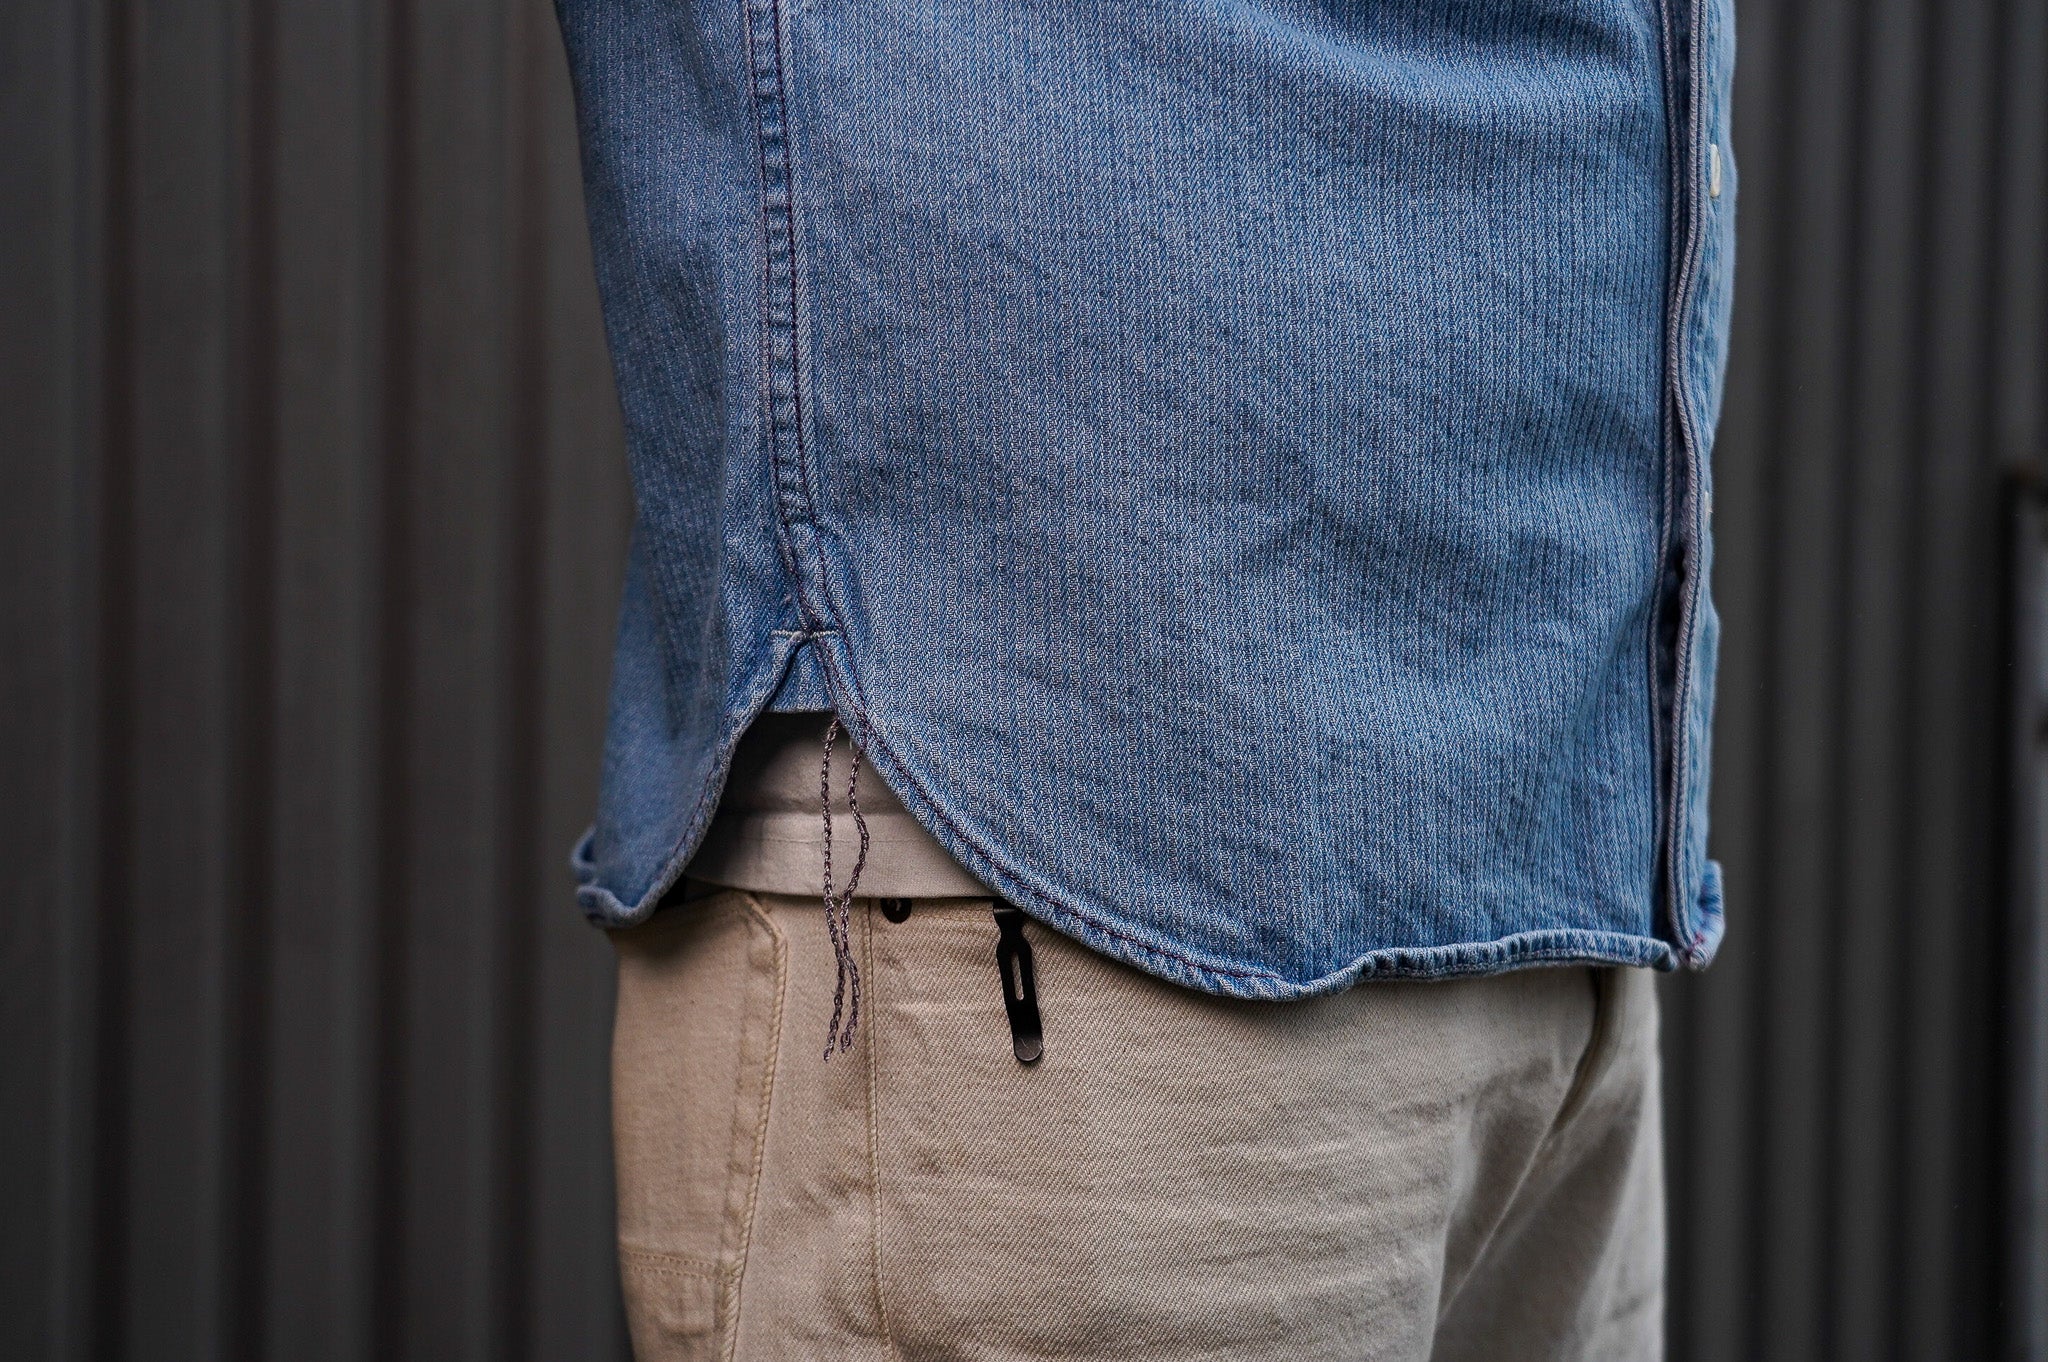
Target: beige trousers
x: 1465, y: 1169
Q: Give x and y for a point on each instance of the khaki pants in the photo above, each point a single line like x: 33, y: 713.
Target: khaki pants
x: 1464, y: 1169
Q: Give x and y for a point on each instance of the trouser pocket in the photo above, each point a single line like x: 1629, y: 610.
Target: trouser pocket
x: 693, y: 1057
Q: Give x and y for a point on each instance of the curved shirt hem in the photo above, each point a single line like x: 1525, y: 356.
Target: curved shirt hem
x: 1557, y: 946
x: 1548, y: 947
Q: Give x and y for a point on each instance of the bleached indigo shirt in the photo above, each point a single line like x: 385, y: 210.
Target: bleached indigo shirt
x: 1239, y: 467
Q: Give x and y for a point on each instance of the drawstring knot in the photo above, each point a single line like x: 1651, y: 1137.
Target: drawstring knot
x: 839, y: 907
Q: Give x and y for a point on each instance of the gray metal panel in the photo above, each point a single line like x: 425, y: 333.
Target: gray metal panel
x: 314, y: 527
x: 1835, y: 1101
x: 2026, y: 1236
x: 316, y: 522
x: 45, y: 635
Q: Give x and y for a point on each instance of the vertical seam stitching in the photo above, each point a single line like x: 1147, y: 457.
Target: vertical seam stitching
x: 768, y: 84
x: 1595, y: 1058
x: 1687, y: 235
x: 1682, y: 688
x: 1667, y: 433
x: 762, y: 921
x: 867, y: 933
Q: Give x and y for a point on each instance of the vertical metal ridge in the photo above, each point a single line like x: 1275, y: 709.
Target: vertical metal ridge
x: 2022, y: 1188
x: 1985, y: 1321
x: 1850, y: 394
x: 1913, y: 607
x: 392, y: 814
x: 1983, y: 1042
x: 2020, y: 182
x: 519, y: 814
x: 2020, y: 437
x: 2013, y: 1335
x: 1887, y: 234
x: 1778, y: 240
x: 1941, y: 1287
x: 241, y: 1310
x: 109, y: 1209
x: 79, y: 365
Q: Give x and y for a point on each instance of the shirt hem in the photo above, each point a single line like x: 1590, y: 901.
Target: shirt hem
x: 1552, y: 946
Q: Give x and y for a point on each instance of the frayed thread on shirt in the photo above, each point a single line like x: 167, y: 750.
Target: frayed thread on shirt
x: 839, y: 907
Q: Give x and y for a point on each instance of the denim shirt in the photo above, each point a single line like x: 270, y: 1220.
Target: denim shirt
x: 1238, y: 467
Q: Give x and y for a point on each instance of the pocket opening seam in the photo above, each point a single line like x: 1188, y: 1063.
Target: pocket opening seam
x: 734, y: 1276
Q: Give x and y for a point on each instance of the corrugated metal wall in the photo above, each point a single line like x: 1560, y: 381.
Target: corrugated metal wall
x: 1836, y: 1094
x: 2024, y: 1023
x: 312, y: 521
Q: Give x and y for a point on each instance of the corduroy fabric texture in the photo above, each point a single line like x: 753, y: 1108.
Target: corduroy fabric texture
x: 1458, y: 1170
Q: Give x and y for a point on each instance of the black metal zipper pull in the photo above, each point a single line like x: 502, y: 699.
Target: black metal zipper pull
x: 1020, y: 985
